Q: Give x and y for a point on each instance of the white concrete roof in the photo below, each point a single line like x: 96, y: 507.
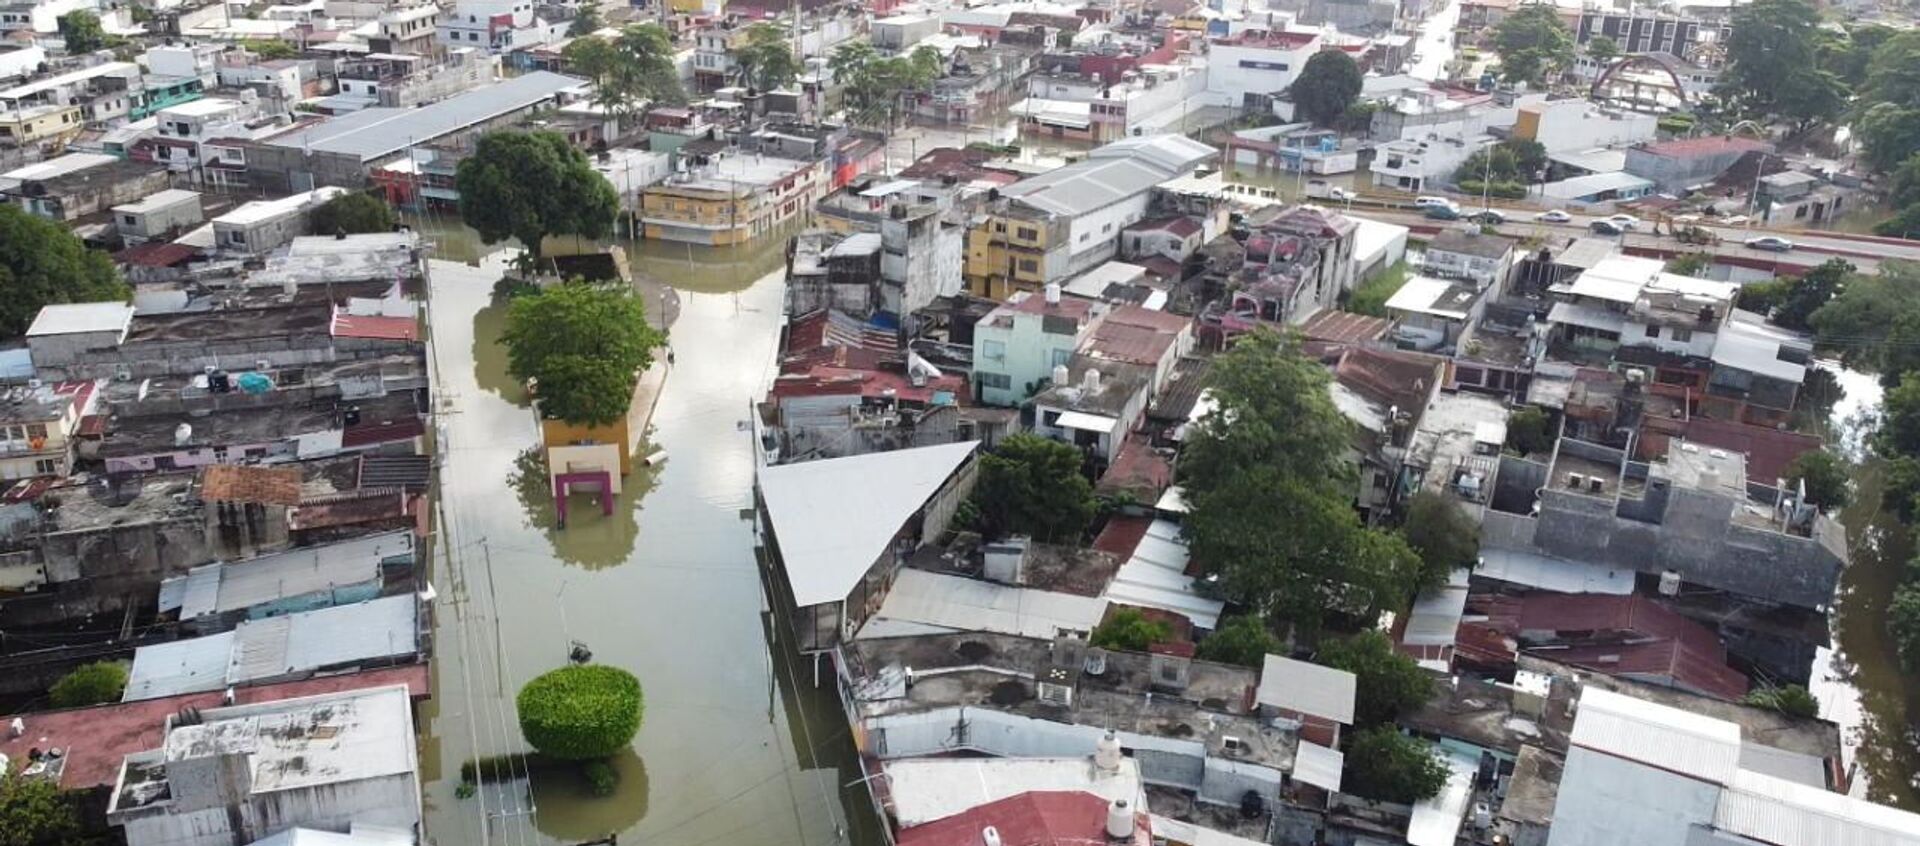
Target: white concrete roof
x: 157, y: 200
x: 58, y: 166
x: 1318, y: 765
x: 1586, y: 316
x: 1086, y: 422
x: 1422, y: 294
x: 833, y: 518
x: 1756, y: 351
x: 1594, y: 183
x: 925, y: 601
x: 1307, y: 688
x: 77, y: 318
x: 1555, y: 574
x: 371, y: 735
x: 1657, y: 735
x: 1155, y: 576
x: 928, y: 789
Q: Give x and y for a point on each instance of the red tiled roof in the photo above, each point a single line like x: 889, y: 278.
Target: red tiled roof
x: 1345, y: 327
x: 1768, y: 451
x: 1161, y: 266
x: 1159, y: 321
x: 840, y: 381
x: 1707, y: 146
x: 1122, y: 534
x: 241, y: 483
x: 1400, y: 378
x: 155, y: 254
x: 1139, y: 469
x: 348, y: 509
x: 1128, y: 343
x: 1638, y: 615
x: 382, y: 433
x: 375, y: 326
x: 96, y: 739
x: 1072, y: 307
x: 1035, y: 818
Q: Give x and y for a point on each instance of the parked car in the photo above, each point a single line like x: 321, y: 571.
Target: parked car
x: 1554, y: 216
x: 1606, y: 227
x: 1624, y: 221
x: 1491, y: 217
x: 1446, y: 212
x: 1770, y: 242
x: 1320, y: 189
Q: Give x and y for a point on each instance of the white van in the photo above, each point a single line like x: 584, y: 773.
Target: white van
x: 1423, y: 202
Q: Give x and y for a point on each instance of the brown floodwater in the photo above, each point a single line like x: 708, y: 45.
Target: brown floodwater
x: 737, y: 747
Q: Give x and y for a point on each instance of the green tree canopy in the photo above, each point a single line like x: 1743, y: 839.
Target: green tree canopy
x: 1826, y: 477
x: 584, y: 345
x: 1271, y: 511
x: 1516, y: 160
x: 34, y: 812
x: 1903, y: 622
x: 628, y: 71
x: 269, y: 49
x: 1792, y: 700
x: 580, y: 712
x: 1327, y: 86
x: 353, y: 213
x: 1030, y: 485
x: 89, y: 684
x: 1900, y: 492
x: 1443, y: 535
x: 1867, y: 313
x: 585, y: 20
x: 1533, y: 44
x: 42, y: 264
x: 1387, y: 766
x: 528, y: 185
x: 871, y: 85
x: 1691, y: 264
x: 1805, y: 295
x: 1772, y: 67
x: 1387, y: 683
x: 1130, y: 630
x: 1603, y: 49
x: 765, y: 58
x: 1243, y: 640
x: 1530, y: 431
x: 1899, y: 432
x: 82, y: 32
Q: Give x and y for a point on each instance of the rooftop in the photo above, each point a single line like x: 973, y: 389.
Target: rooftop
x: 834, y: 517
x: 1095, y: 386
x: 1110, y: 174
x: 276, y: 647
x: 1434, y: 296
x: 926, y: 789
x: 375, y: 133
x: 1707, y: 146
x: 158, y: 200
x: 1470, y: 242
x: 1039, y: 818
x: 240, y: 585
x: 82, y: 318
x: 1307, y: 688
x: 94, y: 740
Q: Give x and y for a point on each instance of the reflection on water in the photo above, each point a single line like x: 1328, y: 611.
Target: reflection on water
x: 490, y: 356
x: 571, y: 813
x: 1859, y: 682
x: 590, y: 540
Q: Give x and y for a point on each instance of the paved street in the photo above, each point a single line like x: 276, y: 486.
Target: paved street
x: 1434, y: 45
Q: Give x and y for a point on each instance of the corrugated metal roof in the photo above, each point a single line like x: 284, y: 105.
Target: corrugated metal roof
x: 183, y: 666
x: 928, y: 789
x: 1318, y: 765
x: 833, y: 518
x: 1155, y: 576
x: 1110, y: 174
x: 1435, y: 616
x: 962, y: 604
x: 375, y: 133
x: 238, y: 585
x: 1436, y: 820
x: 1777, y: 811
x: 1657, y: 735
x: 381, y: 628
x: 1307, y: 688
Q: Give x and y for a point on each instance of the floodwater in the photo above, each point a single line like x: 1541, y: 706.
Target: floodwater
x: 1860, y: 684
x: 736, y: 747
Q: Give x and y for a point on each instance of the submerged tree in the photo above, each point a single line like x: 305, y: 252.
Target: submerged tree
x: 580, y: 712
x: 583, y: 345
x: 529, y: 185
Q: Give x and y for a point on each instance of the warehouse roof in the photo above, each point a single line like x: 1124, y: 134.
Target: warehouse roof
x: 375, y: 133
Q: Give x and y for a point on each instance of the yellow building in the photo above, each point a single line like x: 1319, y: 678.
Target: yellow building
x: 37, y: 425
x: 1008, y: 250
x: 39, y: 123
x: 735, y: 200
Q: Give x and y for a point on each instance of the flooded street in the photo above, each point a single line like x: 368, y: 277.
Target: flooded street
x: 729, y: 751
x: 1861, y: 685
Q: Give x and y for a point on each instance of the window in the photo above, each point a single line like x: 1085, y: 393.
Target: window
x: 1029, y: 266
x: 995, y: 350
x: 1653, y: 331
x: 46, y: 466
x: 36, y: 430
x: 129, y: 220
x: 1683, y: 335
x: 996, y: 380
x: 1027, y: 233
x: 1061, y: 357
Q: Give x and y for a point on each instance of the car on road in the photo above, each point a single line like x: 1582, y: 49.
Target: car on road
x: 1554, y: 216
x: 1606, y: 227
x: 1624, y: 221
x: 1491, y: 217
x: 1736, y: 220
x: 1446, y: 212
x: 1424, y: 202
x: 1771, y: 243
